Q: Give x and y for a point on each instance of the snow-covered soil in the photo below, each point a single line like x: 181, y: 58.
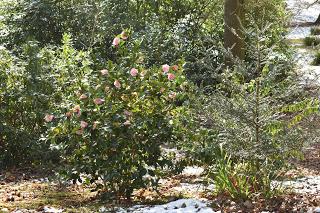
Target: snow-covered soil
x: 193, y: 170
x: 310, y: 74
x: 298, y: 32
x: 178, y: 206
x: 303, y: 10
x: 309, y: 185
x: 302, y: 13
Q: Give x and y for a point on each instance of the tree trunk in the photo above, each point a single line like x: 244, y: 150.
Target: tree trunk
x: 318, y: 20
x: 233, y: 33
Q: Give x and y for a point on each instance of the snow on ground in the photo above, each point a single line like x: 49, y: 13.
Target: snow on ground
x: 310, y: 75
x: 298, y: 32
x: 45, y: 209
x: 308, y: 185
x: 178, y: 206
x: 194, y: 188
x: 52, y: 210
x: 304, y: 56
x: 302, y: 11
x: 192, y: 170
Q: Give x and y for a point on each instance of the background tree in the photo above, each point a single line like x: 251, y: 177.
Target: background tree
x: 233, y: 34
x: 318, y: 20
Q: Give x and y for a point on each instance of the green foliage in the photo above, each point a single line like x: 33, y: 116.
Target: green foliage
x: 316, y: 60
x: 269, y: 16
x: 110, y: 124
x: 315, y: 30
x: 311, y: 41
x: 243, y: 180
x: 172, y: 29
x: 24, y: 97
x: 257, y: 115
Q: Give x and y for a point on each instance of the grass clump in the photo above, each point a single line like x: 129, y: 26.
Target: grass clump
x: 312, y: 41
x: 315, y: 30
x: 316, y: 60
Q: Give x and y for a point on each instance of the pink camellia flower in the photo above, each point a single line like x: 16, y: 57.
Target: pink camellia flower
x: 175, y: 67
x: 116, y: 41
x: 171, y: 76
x: 83, y: 124
x: 165, y: 68
x: 48, y: 118
x: 124, y: 35
x: 83, y: 97
x: 172, y: 95
x: 104, y: 72
x: 117, y: 84
x: 98, y: 101
x: 133, y: 72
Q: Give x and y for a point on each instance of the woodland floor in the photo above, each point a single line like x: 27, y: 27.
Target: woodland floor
x: 27, y: 191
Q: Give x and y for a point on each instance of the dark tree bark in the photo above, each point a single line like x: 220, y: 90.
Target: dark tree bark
x: 318, y: 20
x: 233, y: 33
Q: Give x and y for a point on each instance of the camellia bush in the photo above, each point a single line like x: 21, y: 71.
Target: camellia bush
x: 110, y: 126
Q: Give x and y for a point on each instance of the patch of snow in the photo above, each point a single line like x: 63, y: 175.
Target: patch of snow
x: 317, y: 210
x: 52, y: 210
x: 192, y: 170
x: 310, y: 75
x: 178, y: 206
x: 298, y: 32
x: 304, y: 56
x: 193, y: 188
x: 103, y: 209
x: 309, y: 185
x: 41, y: 180
x: 302, y: 11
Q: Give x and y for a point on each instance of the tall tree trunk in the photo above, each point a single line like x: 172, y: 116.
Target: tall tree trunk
x: 318, y: 20
x: 233, y: 33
